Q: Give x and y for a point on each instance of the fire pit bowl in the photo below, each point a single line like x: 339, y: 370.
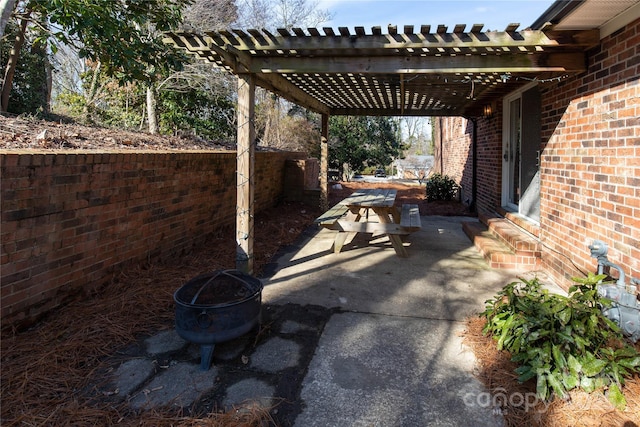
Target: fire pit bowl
x: 217, y: 307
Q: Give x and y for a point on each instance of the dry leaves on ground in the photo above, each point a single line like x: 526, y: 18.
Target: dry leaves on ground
x: 27, y: 133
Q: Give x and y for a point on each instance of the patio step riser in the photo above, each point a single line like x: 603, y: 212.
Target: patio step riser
x: 497, y: 253
x: 515, y: 238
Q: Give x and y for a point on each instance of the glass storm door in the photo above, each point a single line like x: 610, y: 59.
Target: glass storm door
x: 511, y: 155
x: 521, y: 154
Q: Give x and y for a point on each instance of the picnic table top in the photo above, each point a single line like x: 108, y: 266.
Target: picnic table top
x: 371, y: 197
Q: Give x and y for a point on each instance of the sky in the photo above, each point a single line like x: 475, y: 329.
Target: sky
x: 494, y: 14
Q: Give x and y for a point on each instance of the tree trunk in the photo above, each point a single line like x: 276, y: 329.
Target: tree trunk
x: 39, y: 49
x: 6, y: 8
x: 48, y: 86
x: 12, y: 63
x: 151, y: 110
x: 89, y: 97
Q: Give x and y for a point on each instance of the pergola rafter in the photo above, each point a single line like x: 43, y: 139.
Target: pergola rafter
x: 399, y: 73
x: 422, y: 73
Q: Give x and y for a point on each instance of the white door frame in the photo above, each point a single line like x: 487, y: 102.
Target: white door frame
x: 506, y: 132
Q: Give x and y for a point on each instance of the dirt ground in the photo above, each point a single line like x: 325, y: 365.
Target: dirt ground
x: 23, y: 133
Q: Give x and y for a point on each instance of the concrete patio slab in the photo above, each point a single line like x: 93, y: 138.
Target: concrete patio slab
x: 444, y: 276
x: 381, y: 370
x: 394, y: 355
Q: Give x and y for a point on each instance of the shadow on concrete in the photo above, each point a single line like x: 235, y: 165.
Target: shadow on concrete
x: 392, y: 354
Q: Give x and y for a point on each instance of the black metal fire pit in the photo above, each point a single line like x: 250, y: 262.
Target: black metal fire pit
x: 217, y: 307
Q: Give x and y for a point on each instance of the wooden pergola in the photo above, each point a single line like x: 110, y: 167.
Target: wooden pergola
x: 429, y: 72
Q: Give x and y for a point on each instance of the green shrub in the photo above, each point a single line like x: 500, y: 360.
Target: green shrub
x: 563, y: 342
x: 441, y: 187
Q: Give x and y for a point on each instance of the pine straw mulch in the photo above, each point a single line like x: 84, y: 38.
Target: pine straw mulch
x: 496, y: 371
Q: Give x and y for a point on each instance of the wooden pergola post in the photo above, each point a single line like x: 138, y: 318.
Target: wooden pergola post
x: 245, y: 173
x: 324, y: 163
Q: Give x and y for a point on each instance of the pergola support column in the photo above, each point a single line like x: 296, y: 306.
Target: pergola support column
x: 324, y: 163
x: 245, y: 173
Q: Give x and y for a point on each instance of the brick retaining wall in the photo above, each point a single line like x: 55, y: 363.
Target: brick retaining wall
x: 69, y: 221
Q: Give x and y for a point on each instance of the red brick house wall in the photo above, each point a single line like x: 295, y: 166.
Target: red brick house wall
x: 69, y: 221
x: 590, y: 161
x: 489, y: 163
x: 453, y: 156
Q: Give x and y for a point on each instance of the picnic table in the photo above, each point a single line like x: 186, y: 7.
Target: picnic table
x: 371, y: 211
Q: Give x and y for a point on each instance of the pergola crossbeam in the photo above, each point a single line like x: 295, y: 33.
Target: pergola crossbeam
x: 523, y: 63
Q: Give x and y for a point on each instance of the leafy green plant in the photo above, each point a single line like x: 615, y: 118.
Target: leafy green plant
x: 347, y: 144
x: 441, y: 187
x: 563, y: 342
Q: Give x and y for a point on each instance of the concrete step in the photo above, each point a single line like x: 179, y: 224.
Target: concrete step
x: 512, y: 235
x: 503, y: 244
x: 522, y: 222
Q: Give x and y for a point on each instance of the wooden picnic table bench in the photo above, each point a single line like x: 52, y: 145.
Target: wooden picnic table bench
x: 347, y: 217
